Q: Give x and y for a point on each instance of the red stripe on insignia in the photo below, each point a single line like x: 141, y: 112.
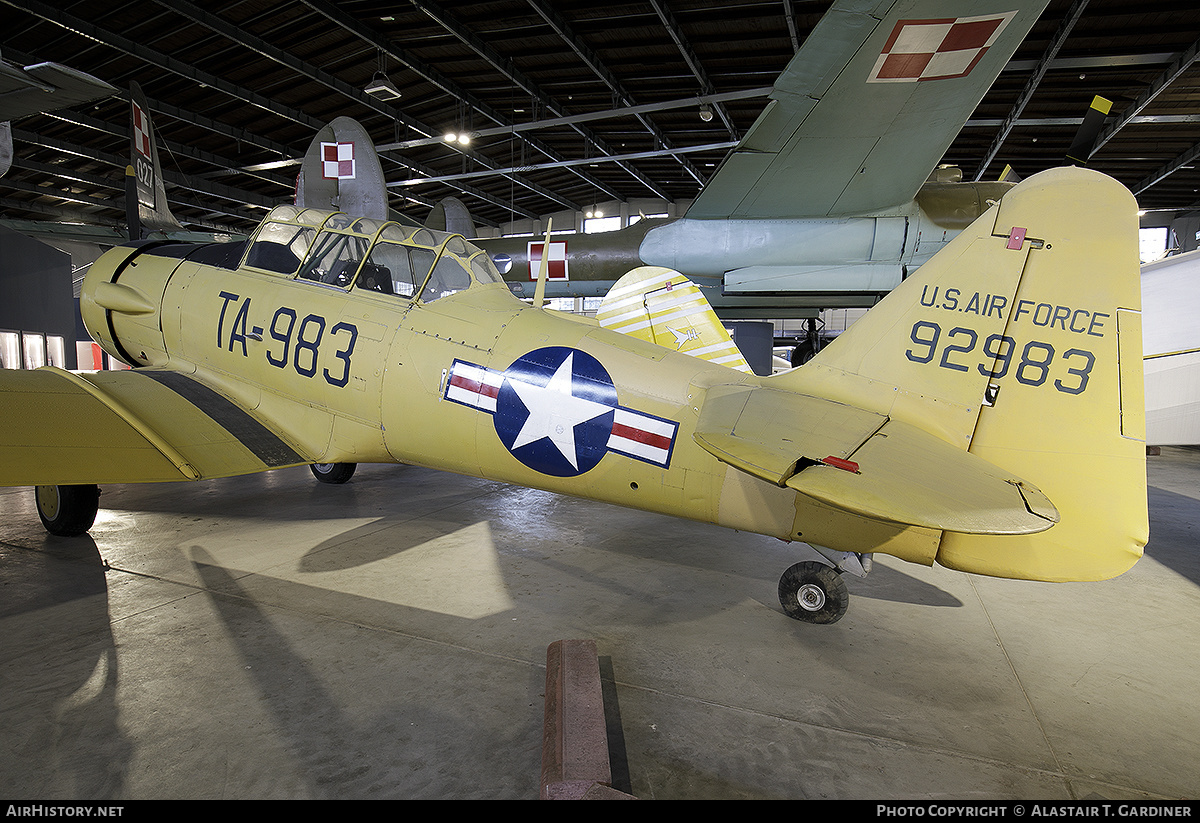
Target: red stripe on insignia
x: 658, y: 441
x: 474, y: 386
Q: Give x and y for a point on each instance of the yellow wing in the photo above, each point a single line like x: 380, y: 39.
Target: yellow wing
x: 63, y: 428
x: 662, y: 306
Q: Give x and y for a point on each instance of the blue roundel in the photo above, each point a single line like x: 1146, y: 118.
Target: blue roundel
x: 555, y: 410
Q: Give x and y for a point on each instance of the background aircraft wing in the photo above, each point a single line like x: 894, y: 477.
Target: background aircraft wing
x: 46, y: 87
x: 867, y: 107
x: 63, y: 428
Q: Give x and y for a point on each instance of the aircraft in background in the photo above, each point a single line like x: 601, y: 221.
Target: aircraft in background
x: 1171, y: 295
x: 38, y: 88
x: 832, y: 198
x: 978, y: 417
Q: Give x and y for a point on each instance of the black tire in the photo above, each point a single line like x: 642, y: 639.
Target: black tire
x: 67, y: 511
x: 814, y: 593
x: 802, y: 354
x: 333, y: 472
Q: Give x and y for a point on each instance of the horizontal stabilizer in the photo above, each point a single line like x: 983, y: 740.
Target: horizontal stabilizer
x: 864, y: 463
x: 766, y: 433
x: 905, y: 475
x: 66, y: 428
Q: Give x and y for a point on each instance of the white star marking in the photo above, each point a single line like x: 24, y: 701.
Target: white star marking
x: 554, y: 412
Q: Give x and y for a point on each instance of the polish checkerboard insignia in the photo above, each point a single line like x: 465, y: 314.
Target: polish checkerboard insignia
x: 938, y: 49
x: 556, y: 263
x: 337, y: 161
x: 555, y: 409
x: 141, y: 131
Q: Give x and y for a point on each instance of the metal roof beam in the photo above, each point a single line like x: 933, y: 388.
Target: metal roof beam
x: 261, y: 47
x: 168, y: 63
x: 82, y: 27
x: 506, y: 68
x: 1188, y: 158
x: 1182, y: 62
x: 350, y: 24
x: 627, y: 111
x: 693, y: 62
x: 581, y: 161
x: 1060, y: 36
x: 183, y: 181
x: 593, y: 62
x: 789, y: 14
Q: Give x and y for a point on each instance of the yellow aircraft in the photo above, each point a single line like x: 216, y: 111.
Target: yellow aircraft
x: 987, y: 415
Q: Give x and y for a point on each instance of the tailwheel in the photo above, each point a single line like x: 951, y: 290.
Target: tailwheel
x: 813, y: 592
x: 67, y: 511
x: 333, y: 472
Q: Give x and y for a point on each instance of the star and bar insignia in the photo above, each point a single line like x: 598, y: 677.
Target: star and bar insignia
x: 555, y: 409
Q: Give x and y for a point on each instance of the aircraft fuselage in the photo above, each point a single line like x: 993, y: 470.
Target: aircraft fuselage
x: 834, y: 261
x: 475, y: 382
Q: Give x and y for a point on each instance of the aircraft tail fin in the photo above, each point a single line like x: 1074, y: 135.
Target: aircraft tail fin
x: 146, y: 199
x: 1021, y: 343
x: 451, y: 215
x: 662, y: 306
x: 341, y: 170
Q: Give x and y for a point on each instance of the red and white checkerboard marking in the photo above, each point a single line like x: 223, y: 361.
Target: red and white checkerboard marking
x: 556, y: 267
x: 141, y: 131
x: 337, y: 161
x: 938, y: 49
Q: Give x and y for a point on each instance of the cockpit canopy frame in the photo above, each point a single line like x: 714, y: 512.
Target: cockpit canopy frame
x: 340, y: 251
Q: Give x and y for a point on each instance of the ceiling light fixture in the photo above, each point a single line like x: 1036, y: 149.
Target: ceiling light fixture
x: 705, y: 112
x: 382, y: 88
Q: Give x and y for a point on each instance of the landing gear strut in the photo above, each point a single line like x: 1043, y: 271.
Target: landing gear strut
x: 333, y: 472
x: 807, y: 348
x: 67, y: 511
x: 813, y: 592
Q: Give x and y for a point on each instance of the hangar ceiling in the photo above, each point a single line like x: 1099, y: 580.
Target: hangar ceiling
x: 238, y: 88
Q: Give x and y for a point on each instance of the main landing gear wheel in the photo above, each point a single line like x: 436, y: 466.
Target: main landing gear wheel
x: 814, y: 593
x: 802, y: 353
x: 333, y: 472
x: 67, y: 511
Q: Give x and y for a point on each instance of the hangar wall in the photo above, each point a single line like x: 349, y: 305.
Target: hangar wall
x: 37, y: 306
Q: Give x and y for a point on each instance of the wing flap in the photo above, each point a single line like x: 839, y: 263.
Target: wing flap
x: 123, y: 427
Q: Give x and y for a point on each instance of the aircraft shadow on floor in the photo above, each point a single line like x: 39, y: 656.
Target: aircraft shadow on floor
x: 1173, y: 533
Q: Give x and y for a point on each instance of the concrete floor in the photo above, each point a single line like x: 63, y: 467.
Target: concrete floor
x: 270, y: 637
